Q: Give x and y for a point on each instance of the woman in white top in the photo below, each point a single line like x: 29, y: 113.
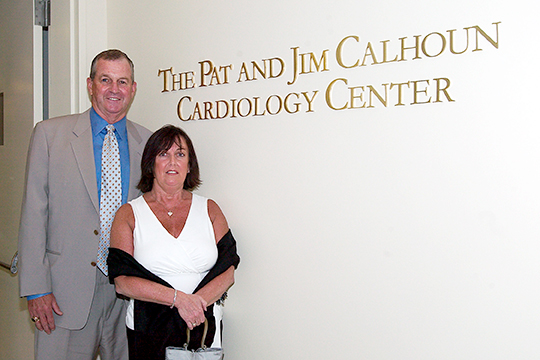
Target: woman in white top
x: 174, y: 234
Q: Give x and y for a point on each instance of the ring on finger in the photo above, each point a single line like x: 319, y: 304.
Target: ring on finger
x: 35, y: 319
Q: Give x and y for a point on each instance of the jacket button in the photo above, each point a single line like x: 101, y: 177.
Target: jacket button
x: 93, y: 263
x: 96, y: 232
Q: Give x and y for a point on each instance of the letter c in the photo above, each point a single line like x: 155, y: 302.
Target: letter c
x: 179, y: 108
x: 329, y: 97
x: 339, y: 57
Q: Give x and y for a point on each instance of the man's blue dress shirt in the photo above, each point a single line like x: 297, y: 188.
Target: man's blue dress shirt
x: 98, y: 134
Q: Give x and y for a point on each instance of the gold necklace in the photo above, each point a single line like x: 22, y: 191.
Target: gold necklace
x: 169, y: 212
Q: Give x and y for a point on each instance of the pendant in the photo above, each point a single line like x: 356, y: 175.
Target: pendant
x: 169, y: 213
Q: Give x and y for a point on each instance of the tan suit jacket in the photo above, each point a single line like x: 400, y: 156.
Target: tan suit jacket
x: 59, y: 229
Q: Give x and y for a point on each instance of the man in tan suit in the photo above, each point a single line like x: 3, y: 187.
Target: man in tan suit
x: 74, y: 307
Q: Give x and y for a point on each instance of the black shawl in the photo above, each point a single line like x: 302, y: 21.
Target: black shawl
x: 152, y: 318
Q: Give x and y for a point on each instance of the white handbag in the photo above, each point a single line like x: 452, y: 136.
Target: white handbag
x: 202, y: 353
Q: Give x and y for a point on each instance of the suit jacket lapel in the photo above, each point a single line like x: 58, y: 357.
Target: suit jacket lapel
x: 136, y: 148
x: 83, y: 149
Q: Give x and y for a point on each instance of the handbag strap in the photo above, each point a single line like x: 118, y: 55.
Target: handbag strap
x: 205, y: 331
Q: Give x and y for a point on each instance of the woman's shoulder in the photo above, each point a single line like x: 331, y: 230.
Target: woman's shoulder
x: 137, y: 202
x: 210, y: 203
x: 218, y: 219
x: 124, y: 211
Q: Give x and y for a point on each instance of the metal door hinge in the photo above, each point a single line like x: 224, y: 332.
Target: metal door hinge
x: 43, y: 12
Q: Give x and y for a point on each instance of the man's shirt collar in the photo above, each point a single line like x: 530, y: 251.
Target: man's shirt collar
x: 98, y: 124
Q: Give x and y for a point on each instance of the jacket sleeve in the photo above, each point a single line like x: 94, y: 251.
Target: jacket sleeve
x: 34, y: 270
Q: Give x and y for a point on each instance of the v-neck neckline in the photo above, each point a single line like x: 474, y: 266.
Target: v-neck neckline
x: 161, y: 224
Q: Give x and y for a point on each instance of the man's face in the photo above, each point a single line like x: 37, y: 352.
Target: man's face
x: 112, y: 89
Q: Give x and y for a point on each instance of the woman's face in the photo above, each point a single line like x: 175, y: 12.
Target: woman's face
x: 172, y: 166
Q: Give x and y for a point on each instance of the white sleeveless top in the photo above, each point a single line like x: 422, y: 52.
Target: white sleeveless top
x: 182, y: 262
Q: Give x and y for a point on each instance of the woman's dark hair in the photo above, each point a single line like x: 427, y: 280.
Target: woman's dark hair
x: 160, y: 141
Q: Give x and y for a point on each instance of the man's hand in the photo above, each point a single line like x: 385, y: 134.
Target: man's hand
x: 41, y: 311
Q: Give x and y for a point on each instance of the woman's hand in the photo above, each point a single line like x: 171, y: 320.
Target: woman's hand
x: 191, y: 308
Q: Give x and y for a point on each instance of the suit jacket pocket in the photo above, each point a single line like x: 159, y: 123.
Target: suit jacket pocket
x: 52, y: 256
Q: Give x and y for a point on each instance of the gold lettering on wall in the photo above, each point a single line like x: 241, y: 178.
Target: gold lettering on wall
x: 352, y: 54
x: 291, y: 103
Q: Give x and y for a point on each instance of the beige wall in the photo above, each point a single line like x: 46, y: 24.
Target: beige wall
x: 397, y: 232
x: 16, y: 82
x: 392, y: 232
x: 78, y: 32
x: 20, y: 81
